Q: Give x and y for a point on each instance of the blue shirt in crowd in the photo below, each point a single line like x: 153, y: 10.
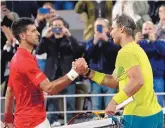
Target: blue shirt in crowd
x: 156, y: 54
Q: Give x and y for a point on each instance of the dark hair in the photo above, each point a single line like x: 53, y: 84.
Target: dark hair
x: 127, y: 22
x: 20, y: 25
x: 163, y: 5
x: 60, y: 18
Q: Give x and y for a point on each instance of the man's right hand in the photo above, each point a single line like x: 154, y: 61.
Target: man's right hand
x: 7, y: 32
x: 48, y: 33
x: 40, y: 17
x: 80, y: 66
x: 139, y: 36
x: 97, y: 37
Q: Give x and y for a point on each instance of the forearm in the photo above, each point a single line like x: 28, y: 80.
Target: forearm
x: 9, y: 101
x: 59, y: 84
x: 131, y: 88
x: 160, y: 47
x: 56, y: 86
x: 108, y: 80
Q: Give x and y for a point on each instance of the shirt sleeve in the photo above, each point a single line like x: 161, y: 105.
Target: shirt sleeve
x: 127, y: 60
x: 35, y: 75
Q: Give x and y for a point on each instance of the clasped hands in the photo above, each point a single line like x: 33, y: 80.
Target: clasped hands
x: 80, y: 66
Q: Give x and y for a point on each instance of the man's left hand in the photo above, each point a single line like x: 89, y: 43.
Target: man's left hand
x: 152, y: 37
x: 104, y: 37
x: 111, y: 108
x: 66, y: 32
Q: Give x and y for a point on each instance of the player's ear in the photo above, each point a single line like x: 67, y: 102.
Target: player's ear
x: 122, y: 29
x: 22, y: 36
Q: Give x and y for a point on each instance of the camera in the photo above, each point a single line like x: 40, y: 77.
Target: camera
x: 100, y: 28
x: 57, y: 30
x: 44, y: 10
x: 146, y: 36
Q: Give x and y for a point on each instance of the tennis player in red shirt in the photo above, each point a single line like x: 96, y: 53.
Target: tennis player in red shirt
x: 27, y: 83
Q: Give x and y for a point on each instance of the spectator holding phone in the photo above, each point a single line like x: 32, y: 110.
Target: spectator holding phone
x: 90, y: 11
x: 61, y: 49
x: 44, y: 16
x: 155, y: 50
x: 161, y: 25
x: 101, y: 53
x: 7, y: 17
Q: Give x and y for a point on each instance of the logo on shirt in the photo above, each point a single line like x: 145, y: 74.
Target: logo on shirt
x: 120, y: 73
x: 38, y: 75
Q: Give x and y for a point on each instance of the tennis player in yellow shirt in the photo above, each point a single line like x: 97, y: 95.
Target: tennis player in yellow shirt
x: 132, y: 75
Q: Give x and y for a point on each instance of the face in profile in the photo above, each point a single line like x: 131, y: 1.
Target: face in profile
x: 115, y: 33
x: 31, y: 35
x: 162, y: 13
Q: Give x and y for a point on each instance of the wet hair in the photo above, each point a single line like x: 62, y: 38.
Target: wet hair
x: 20, y: 25
x: 127, y: 22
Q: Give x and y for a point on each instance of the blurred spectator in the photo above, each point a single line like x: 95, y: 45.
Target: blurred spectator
x: 6, y: 54
x: 90, y: 11
x: 7, y: 17
x: 161, y: 25
x: 155, y: 50
x: 45, y: 14
x: 138, y: 10
x: 23, y: 8
x: 64, y: 5
x: 101, y: 53
x: 61, y: 49
x: 154, y: 9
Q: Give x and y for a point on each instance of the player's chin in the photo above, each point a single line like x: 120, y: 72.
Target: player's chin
x: 36, y: 42
x: 116, y: 42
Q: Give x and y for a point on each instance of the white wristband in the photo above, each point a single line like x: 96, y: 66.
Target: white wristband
x: 72, y: 74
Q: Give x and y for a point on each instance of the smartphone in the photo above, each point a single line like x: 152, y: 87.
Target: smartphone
x: 145, y: 36
x: 100, y: 28
x: 57, y: 30
x: 44, y: 10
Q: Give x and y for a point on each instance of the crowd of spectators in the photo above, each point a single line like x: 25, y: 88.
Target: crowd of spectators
x: 58, y: 47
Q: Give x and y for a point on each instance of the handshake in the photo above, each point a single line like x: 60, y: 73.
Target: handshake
x: 79, y: 67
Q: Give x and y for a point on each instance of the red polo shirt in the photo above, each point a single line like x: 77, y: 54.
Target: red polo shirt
x: 25, y: 77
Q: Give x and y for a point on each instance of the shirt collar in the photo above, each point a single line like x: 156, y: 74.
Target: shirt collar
x: 25, y: 52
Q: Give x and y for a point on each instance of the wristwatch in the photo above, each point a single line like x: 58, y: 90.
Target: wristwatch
x: 88, y: 72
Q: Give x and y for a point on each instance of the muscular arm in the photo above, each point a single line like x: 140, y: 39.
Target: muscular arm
x: 9, y: 101
x: 135, y: 81
x: 55, y: 86
x: 109, y: 80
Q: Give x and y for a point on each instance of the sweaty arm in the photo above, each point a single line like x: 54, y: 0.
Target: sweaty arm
x: 38, y: 78
x: 55, y: 86
x: 135, y: 81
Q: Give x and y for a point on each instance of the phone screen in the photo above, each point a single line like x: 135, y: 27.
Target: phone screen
x: 57, y: 30
x: 44, y: 10
x: 100, y: 28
